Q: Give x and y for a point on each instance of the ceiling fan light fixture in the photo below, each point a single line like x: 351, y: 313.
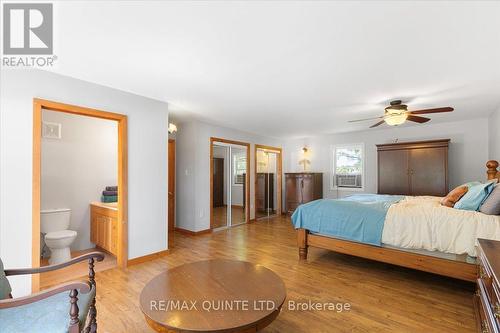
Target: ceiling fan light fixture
x: 396, y: 109
x: 397, y: 113
x: 396, y: 119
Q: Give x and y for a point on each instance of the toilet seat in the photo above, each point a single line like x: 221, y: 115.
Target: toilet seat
x: 55, y: 235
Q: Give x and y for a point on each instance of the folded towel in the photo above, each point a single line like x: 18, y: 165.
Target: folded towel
x: 111, y: 188
x: 110, y: 193
x: 106, y: 198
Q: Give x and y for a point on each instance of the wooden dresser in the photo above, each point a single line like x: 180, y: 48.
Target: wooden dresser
x: 104, y: 226
x: 413, y: 168
x: 487, y: 297
x: 301, y: 188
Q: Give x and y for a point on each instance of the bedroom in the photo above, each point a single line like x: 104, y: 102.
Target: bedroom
x: 275, y: 86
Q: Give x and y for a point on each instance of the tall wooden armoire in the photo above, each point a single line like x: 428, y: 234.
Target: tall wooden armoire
x: 413, y: 168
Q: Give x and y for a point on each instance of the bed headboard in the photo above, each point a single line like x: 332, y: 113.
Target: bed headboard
x: 492, y: 170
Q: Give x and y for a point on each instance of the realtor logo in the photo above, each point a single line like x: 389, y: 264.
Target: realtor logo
x: 28, y: 28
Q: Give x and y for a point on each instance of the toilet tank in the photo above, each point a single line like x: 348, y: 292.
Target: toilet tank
x: 54, y: 219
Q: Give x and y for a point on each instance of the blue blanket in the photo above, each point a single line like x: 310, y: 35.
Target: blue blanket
x: 358, y: 217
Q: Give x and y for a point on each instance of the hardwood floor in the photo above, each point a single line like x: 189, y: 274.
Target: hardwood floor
x: 383, y: 298
x: 220, y: 216
x: 72, y: 272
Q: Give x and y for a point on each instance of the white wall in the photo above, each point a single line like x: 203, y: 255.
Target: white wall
x: 193, y: 170
x: 185, y: 149
x: 467, y: 155
x: 494, y: 135
x: 147, y: 160
x: 76, y: 168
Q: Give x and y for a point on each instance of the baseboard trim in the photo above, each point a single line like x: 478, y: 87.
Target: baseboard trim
x: 148, y: 257
x: 252, y: 220
x: 192, y: 233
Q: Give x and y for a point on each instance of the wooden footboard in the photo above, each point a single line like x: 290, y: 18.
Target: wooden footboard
x: 452, y: 268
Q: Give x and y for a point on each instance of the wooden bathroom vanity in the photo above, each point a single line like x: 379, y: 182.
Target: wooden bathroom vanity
x: 104, y: 226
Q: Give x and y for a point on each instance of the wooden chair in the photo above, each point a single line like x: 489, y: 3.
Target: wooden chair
x: 66, y: 308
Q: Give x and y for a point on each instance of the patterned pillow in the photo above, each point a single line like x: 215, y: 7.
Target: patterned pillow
x: 491, y: 205
x: 451, y: 199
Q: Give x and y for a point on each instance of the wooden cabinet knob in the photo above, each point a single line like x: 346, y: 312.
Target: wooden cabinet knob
x: 482, y: 273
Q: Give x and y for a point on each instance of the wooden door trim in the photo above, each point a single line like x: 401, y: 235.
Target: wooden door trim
x: 174, y: 191
x: 279, y: 176
x: 247, y: 179
x: 38, y: 106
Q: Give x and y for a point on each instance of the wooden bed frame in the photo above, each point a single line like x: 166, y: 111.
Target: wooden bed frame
x: 459, y: 269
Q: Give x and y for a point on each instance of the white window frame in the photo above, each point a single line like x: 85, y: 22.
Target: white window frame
x: 333, y: 185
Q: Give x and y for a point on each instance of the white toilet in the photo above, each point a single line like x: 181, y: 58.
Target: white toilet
x: 54, y: 223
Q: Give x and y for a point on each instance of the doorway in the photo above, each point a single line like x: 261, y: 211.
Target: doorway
x: 120, y: 242
x: 268, y: 181
x: 171, y: 192
x: 229, y: 183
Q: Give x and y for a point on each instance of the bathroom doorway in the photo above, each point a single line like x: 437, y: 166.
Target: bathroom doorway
x: 102, y: 222
x: 229, y: 183
x: 268, y: 181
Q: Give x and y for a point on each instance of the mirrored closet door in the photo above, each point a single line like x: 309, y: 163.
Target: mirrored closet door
x: 229, y: 184
x: 267, y: 185
x: 220, y: 163
x: 238, y: 185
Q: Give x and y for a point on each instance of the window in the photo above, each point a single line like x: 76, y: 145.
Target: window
x: 239, y: 169
x: 348, y: 166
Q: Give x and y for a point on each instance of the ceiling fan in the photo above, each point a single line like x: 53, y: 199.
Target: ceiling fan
x: 397, y: 113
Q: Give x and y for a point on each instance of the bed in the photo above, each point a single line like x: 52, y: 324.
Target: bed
x: 387, y: 239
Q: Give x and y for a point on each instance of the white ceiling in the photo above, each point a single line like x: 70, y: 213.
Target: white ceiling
x: 288, y: 69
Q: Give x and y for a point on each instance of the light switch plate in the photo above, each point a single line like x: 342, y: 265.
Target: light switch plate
x: 51, y: 130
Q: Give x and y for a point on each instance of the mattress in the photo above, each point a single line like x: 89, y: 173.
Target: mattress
x: 423, y: 223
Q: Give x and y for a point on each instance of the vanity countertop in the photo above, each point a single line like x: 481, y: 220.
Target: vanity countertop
x: 107, y: 205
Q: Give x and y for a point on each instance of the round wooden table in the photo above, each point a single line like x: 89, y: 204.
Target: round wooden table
x: 213, y: 296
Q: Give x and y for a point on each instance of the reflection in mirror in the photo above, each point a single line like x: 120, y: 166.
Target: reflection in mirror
x: 238, y: 187
x: 266, y: 183
x: 219, y: 169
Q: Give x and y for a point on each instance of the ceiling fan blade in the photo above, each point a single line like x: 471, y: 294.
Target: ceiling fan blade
x: 354, y: 121
x: 418, y: 119
x: 436, y: 110
x: 377, y: 124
